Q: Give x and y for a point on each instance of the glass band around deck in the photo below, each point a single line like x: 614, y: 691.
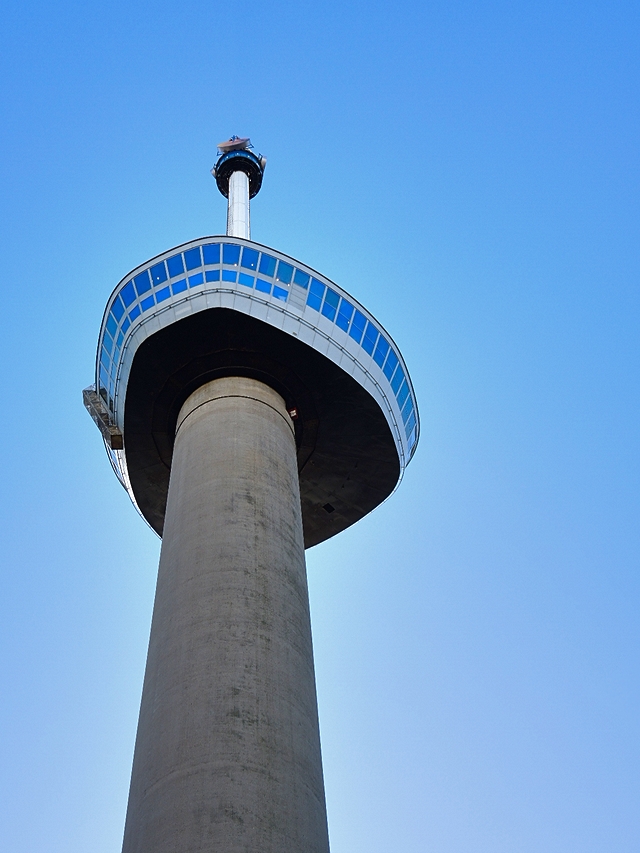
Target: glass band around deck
x: 183, y: 280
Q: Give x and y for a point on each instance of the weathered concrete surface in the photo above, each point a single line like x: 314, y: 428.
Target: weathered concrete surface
x: 227, y: 756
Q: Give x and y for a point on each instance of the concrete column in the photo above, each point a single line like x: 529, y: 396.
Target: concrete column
x: 227, y: 756
x: 238, y: 221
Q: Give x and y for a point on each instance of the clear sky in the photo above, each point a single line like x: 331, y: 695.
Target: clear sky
x: 469, y: 171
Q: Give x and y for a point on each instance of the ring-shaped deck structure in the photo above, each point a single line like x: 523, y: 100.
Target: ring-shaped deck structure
x: 221, y: 306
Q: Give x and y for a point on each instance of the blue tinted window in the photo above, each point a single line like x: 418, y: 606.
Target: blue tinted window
x: 381, y: 351
x: 179, y: 286
x: 267, y: 265
x: 249, y: 258
x: 410, y: 424
x: 163, y: 294
x: 104, y: 358
x: 301, y: 279
x: 390, y: 365
x: 211, y: 253
x: 406, y: 411
x: 120, y: 339
x: 143, y: 282
x: 128, y: 294
x: 263, y: 286
x: 245, y: 279
x: 195, y: 280
x: 212, y: 275
x: 175, y: 265
x: 230, y: 254
x: 107, y: 342
x: 396, y: 382
x: 125, y: 324
x: 192, y: 258
x: 331, y: 300
x: 357, y: 326
x: 117, y: 309
x: 159, y: 273
x: 344, y: 315
x: 112, y: 325
x: 316, y: 294
x: 403, y: 393
x: 280, y: 293
x: 147, y: 303
x: 135, y: 312
x: 370, y: 337
x: 104, y: 377
x: 229, y: 275
x: 285, y: 271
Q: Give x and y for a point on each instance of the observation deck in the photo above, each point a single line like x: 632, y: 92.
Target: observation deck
x: 221, y: 306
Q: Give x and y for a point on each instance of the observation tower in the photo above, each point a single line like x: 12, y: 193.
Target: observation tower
x: 251, y: 408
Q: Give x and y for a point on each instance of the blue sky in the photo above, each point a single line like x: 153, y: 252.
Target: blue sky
x: 469, y: 171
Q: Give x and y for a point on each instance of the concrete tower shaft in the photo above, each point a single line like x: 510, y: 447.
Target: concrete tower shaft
x: 227, y: 758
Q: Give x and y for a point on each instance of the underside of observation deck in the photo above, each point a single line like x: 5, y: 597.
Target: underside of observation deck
x: 347, y: 457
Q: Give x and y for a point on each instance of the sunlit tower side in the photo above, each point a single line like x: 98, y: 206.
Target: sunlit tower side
x: 252, y: 409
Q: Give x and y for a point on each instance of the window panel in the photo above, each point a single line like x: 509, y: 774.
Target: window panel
x: 280, y: 293
x: 357, y: 326
x: 159, y: 273
x: 212, y: 275
x: 407, y: 409
x: 142, y: 282
x: 195, y: 280
x: 381, y: 351
x: 267, y: 265
x: 398, y: 379
x: 112, y: 325
x: 403, y: 393
x: 128, y: 294
x: 211, y: 253
x: 107, y: 342
x: 147, y: 303
x: 331, y: 300
x: 175, y: 266
x: 117, y: 309
x: 135, y: 312
x: 285, y: 271
x: 230, y: 254
x: 229, y: 275
x: 125, y: 324
x: 370, y: 337
x: 344, y: 315
x: 179, y: 286
x: 249, y: 258
x: 192, y: 258
x: 301, y: 279
x: 390, y: 364
x: 245, y: 279
x: 316, y: 294
x: 263, y: 286
x: 163, y: 294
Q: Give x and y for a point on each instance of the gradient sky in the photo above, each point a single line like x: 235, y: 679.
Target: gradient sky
x: 469, y: 171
